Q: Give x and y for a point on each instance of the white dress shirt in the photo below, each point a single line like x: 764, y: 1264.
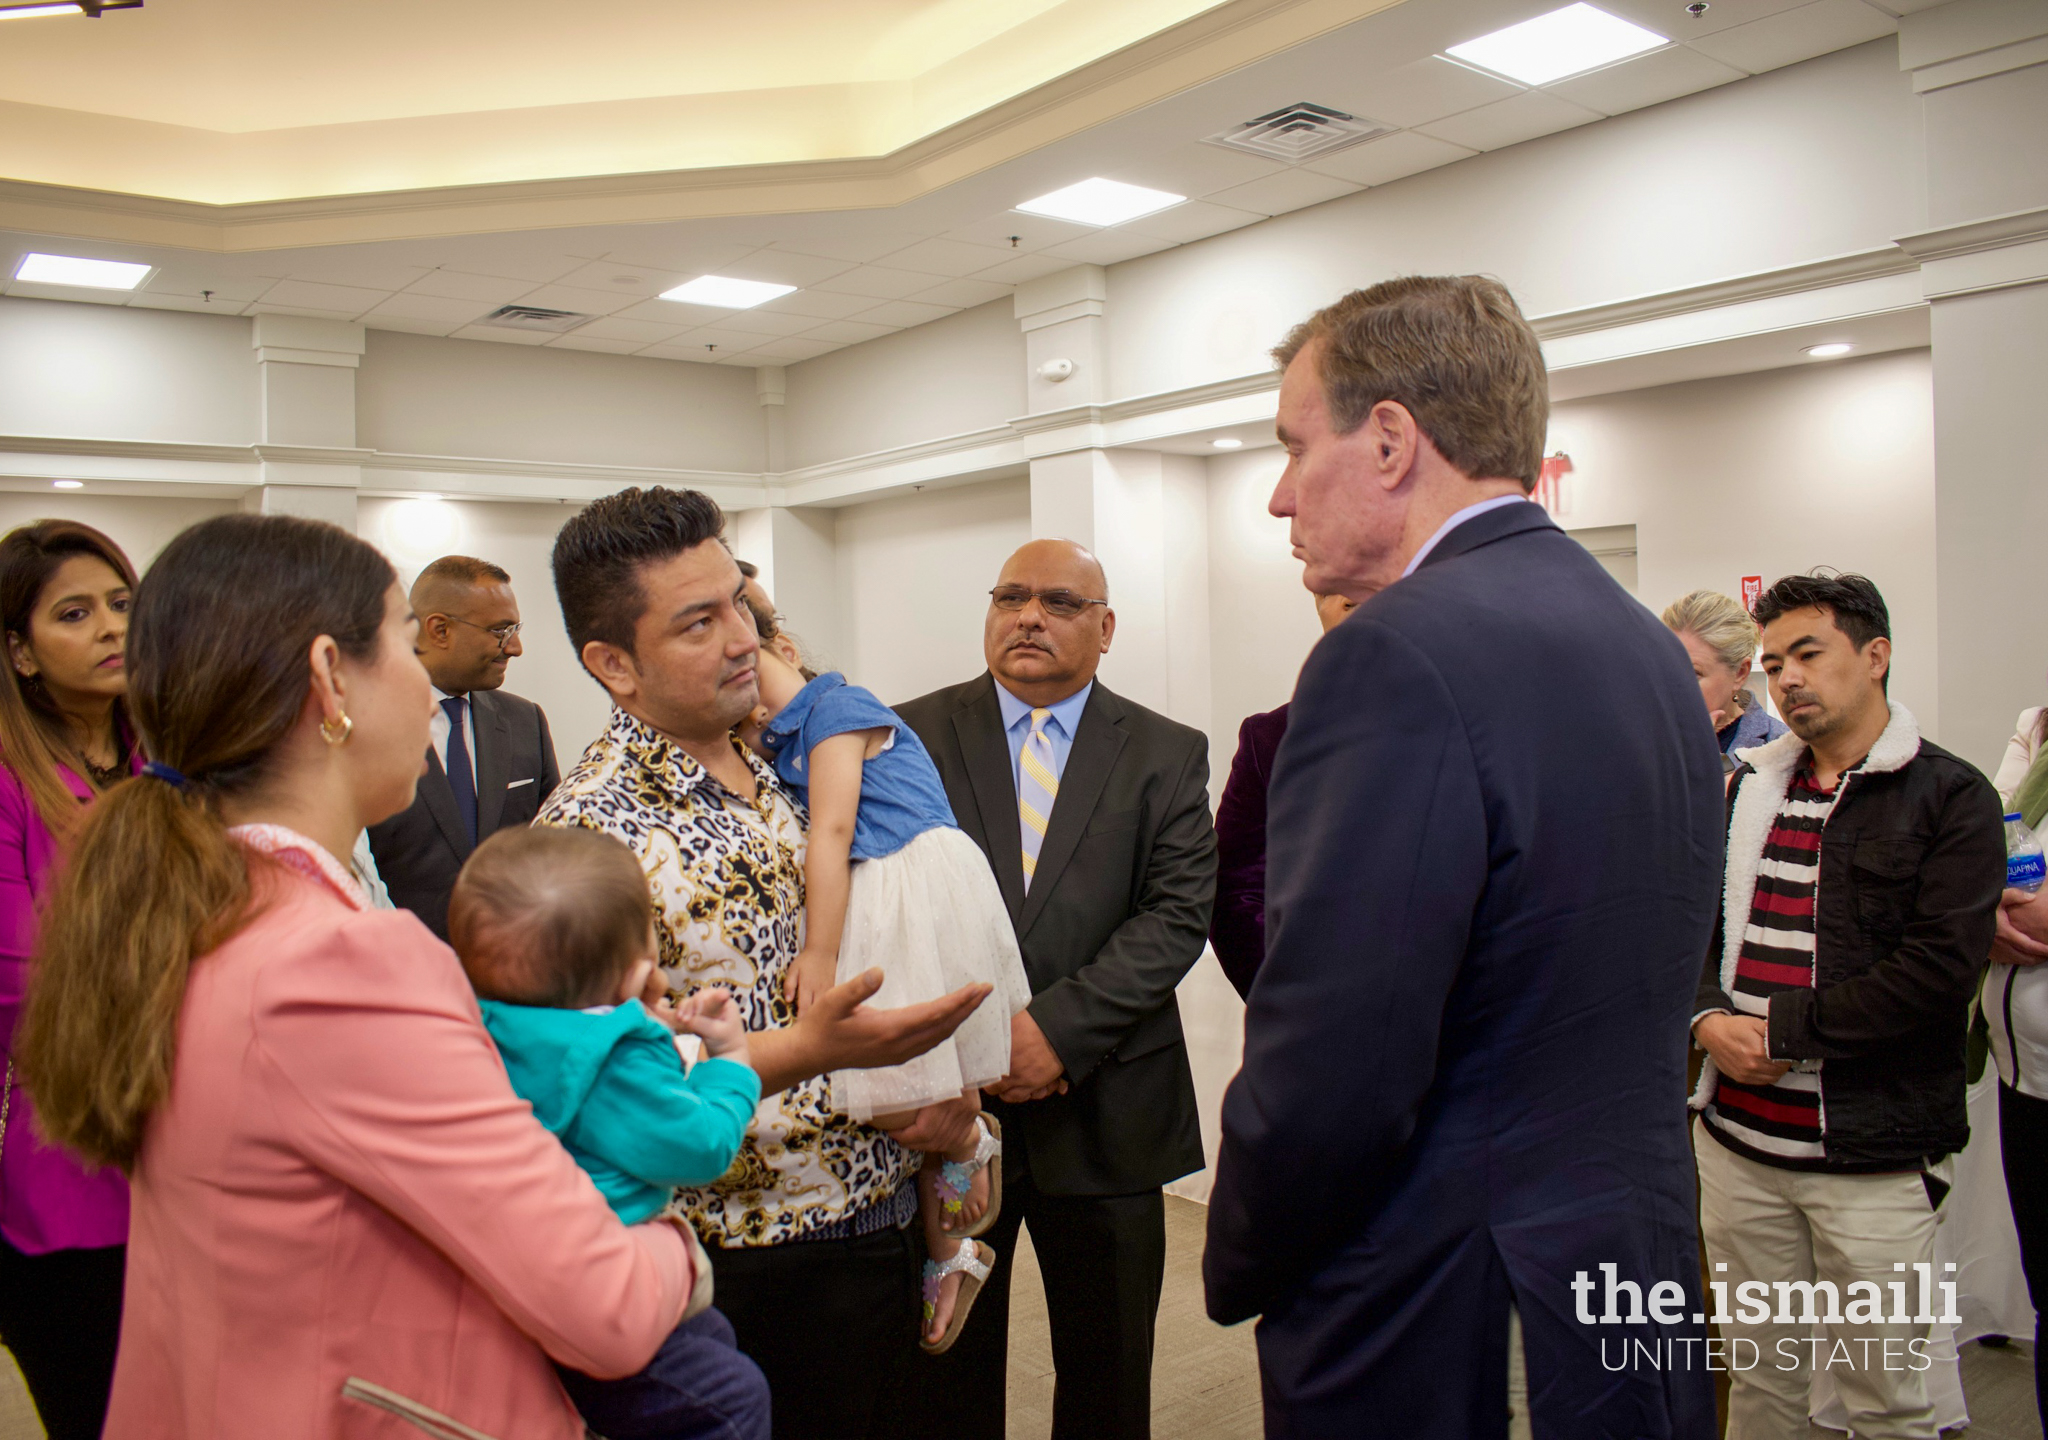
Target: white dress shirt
x: 439, y: 730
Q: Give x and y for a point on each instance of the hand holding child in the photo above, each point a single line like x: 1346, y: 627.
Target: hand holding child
x: 714, y: 1017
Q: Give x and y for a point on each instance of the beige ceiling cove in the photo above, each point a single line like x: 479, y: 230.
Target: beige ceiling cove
x: 241, y: 124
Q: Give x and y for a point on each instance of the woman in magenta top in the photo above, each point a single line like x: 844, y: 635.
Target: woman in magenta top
x: 64, y: 737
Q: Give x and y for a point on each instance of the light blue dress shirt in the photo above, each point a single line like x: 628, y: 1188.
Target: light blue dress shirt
x: 1059, y: 727
x: 1470, y: 512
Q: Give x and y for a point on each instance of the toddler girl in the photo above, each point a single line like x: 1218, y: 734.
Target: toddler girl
x: 891, y: 882
x: 556, y: 932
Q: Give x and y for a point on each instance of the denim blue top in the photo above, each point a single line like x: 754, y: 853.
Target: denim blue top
x: 611, y: 1086
x: 901, y: 795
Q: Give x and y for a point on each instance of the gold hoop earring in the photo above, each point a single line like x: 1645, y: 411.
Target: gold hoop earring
x: 335, y: 735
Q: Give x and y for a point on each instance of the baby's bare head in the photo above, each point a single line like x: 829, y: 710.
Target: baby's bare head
x: 552, y: 917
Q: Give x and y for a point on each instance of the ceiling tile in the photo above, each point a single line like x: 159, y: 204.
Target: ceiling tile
x: 1795, y: 35
x: 759, y: 321
x: 849, y: 332
x: 1033, y: 232
x: 513, y: 261
x: 789, y: 352
x: 687, y: 257
x: 634, y: 280
x: 1511, y: 121
x: 579, y: 299
x: 1195, y: 170
x: 1109, y: 247
x: 782, y: 267
x: 503, y: 336
x: 672, y: 312
x: 1668, y: 17
x: 1391, y: 157
x: 1026, y: 267
x: 1646, y: 80
x: 963, y: 293
x: 410, y: 327
x: 579, y: 340
x: 307, y: 295
x: 429, y: 307
x: 725, y: 337
x: 184, y: 280
x: 856, y: 247
x: 694, y: 354
x: 946, y: 257
x: 1428, y: 90
x: 346, y: 268
x: 1194, y: 220
x: 880, y: 282
x: 157, y: 300
x: 818, y: 304
x: 264, y: 307
x: 638, y: 332
x: 1907, y: 7
x: 488, y: 290
x: 1289, y: 190
x: 905, y: 313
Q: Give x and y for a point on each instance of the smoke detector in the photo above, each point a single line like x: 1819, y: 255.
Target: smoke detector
x: 534, y: 317
x: 1299, y: 132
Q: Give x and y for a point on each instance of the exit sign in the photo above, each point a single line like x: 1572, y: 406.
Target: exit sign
x: 1752, y: 591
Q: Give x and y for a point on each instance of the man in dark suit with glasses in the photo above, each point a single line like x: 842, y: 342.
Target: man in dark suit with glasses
x: 492, y: 761
x: 1094, y: 814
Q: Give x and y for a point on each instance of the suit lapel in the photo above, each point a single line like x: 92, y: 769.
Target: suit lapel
x: 1097, y: 743
x: 440, y: 803
x: 978, y: 726
x: 493, y: 763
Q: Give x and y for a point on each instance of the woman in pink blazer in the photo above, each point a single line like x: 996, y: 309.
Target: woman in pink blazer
x: 344, y: 1222
x: 64, y: 737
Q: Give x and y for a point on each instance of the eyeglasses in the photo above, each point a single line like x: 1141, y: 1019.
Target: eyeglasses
x: 502, y: 633
x: 1060, y: 604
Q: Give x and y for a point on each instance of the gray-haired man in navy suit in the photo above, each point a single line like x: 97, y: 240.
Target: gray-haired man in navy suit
x: 492, y: 761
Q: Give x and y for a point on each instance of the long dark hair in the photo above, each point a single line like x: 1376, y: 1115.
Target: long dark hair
x: 35, y: 736
x: 218, y: 668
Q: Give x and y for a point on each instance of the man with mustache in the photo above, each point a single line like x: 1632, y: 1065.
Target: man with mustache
x: 1094, y: 813
x: 1863, y: 876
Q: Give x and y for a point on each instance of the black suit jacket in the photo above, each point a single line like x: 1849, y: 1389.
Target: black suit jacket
x: 1117, y: 915
x: 1495, y: 855
x: 420, y: 850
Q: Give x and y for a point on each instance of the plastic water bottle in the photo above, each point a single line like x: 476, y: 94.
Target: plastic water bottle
x: 2025, y: 867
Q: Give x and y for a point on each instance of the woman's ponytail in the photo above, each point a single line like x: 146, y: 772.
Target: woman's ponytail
x: 219, y: 667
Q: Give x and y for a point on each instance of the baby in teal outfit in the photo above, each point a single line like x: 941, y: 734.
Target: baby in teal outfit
x: 556, y: 932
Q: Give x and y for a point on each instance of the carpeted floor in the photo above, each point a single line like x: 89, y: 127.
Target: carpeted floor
x: 1206, y: 1382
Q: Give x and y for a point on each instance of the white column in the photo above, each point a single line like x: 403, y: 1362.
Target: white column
x: 307, y: 371
x: 1984, y: 268
x: 771, y: 389
x: 796, y: 550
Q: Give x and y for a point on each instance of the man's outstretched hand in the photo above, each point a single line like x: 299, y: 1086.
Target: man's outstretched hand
x: 841, y: 1032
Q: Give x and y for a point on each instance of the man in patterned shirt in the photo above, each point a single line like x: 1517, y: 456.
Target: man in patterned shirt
x: 816, y: 1267
x: 1864, y: 870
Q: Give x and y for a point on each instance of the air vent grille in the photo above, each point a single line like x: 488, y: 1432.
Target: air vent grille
x: 1299, y: 132
x: 533, y: 317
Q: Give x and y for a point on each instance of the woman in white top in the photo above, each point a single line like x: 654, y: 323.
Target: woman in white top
x: 2015, y: 1002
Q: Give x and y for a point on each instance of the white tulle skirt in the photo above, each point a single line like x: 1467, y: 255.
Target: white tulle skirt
x: 930, y: 916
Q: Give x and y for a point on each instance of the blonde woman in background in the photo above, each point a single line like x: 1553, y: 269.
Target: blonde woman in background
x: 1721, y: 638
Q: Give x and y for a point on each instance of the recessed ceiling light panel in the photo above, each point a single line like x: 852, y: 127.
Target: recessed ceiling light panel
x: 1227, y: 442
x: 25, y: 12
x: 86, y: 274
x: 68, y: 484
x: 1830, y: 350
x: 1564, y: 42
x: 1101, y: 202
x: 724, y: 293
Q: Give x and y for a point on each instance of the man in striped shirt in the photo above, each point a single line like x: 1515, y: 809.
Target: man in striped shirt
x: 1864, y: 867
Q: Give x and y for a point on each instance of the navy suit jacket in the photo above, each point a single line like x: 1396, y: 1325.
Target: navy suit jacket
x: 1496, y: 836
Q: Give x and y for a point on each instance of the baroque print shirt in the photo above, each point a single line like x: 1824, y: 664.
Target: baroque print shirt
x: 727, y: 877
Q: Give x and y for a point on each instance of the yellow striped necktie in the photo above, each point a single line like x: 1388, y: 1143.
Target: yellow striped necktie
x: 1037, y: 787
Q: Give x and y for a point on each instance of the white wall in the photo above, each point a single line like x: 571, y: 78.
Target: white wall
x: 140, y: 524
x: 914, y: 576
x: 953, y: 376
x: 519, y: 538
x: 1773, y: 474
x: 109, y: 372
x: 423, y: 395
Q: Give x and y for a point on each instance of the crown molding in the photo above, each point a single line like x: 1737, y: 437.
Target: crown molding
x: 1224, y: 38
x: 1732, y: 290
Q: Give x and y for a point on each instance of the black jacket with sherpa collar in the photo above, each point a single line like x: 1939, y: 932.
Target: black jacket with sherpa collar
x: 1912, y: 860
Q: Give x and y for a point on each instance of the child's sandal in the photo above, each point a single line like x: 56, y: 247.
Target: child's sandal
x: 976, y: 1260
x: 956, y: 1178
